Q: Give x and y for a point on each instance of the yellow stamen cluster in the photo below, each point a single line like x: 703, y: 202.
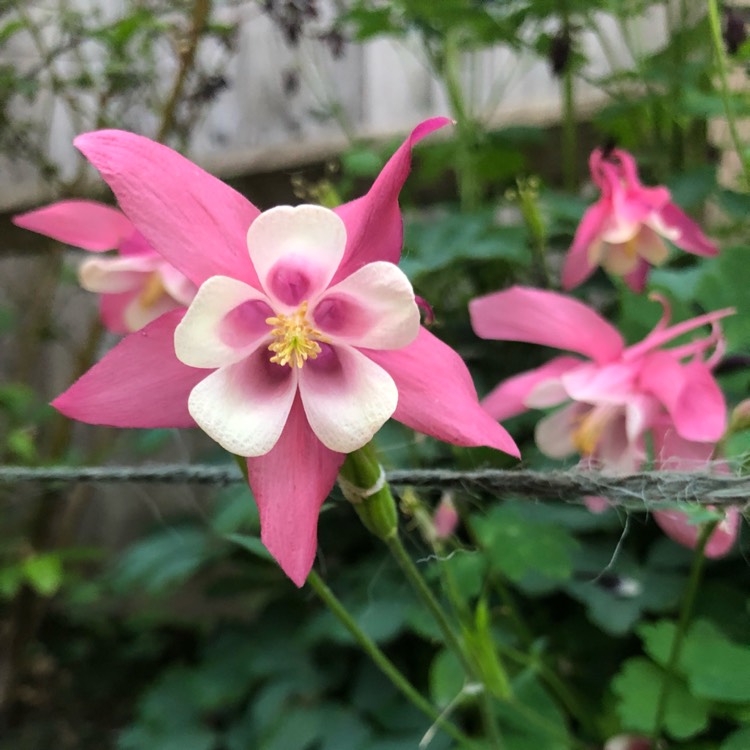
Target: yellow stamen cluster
x: 589, y: 430
x: 153, y: 290
x: 295, y: 340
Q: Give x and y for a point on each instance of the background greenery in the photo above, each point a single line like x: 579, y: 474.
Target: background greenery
x: 189, y: 638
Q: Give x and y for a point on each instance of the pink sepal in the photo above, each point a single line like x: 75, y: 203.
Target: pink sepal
x: 290, y: 483
x: 139, y: 383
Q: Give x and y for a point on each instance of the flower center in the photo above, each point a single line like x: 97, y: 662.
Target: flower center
x: 153, y: 290
x: 295, y: 340
x: 589, y: 429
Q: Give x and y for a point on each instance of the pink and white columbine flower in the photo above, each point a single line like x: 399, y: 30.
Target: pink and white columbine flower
x: 624, y: 230
x: 137, y: 286
x: 612, y: 400
x: 303, y: 339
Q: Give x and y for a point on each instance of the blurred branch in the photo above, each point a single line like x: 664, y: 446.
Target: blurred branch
x: 200, y: 15
x: 644, y: 491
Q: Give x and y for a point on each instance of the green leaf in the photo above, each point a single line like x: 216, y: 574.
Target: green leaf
x: 716, y: 667
x: 638, y: 686
x: 11, y: 578
x: 251, y: 544
x: 44, y: 573
x: 739, y: 740
x: 163, y: 560
x: 518, y: 547
x: 446, y: 678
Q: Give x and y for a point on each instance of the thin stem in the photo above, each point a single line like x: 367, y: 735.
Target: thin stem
x: 721, y: 59
x: 200, y: 15
x: 569, y: 131
x: 686, y: 611
x: 428, y: 598
x: 469, y: 189
x: 451, y: 639
x: 388, y: 668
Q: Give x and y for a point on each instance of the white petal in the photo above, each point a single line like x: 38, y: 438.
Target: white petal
x: 296, y: 251
x: 244, y: 406
x: 137, y: 315
x: 224, y: 323
x: 554, y: 434
x: 116, y: 275
x: 373, y: 308
x: 347, y: 397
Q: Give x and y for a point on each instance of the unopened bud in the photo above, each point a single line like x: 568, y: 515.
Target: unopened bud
x: 740, y: 419
x: 362, y: 480
x: 446, y: 518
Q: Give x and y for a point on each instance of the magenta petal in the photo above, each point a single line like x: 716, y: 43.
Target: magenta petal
x: 195, y: 221
x: 578, y: 266
x: 677, y: 527
x: 510, y: 397
x: 139, y: 383
x: 86, y: 224
x: 373, y: 222
x: 290, y: 484
x: 541, y: 317
x: 436, y: 395
x: 691, y: 238
x: 690, y: 395
x: 637, y: 278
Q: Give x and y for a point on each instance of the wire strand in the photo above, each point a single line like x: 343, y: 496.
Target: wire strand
x: 647, y: 490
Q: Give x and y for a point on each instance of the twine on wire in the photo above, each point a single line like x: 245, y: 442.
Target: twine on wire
x: 649, y: 489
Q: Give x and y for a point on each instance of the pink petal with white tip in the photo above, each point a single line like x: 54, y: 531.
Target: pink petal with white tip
x: 536, y: 388
x: 690, y: 395
x: 87, y: 224
x: 136, y: 315
x: 224, y: 323
x: 116, y: 275
x: 601, y: 384
x: 347, y: 397
x: 578, y: 262
x: 685, y: 233
x: 373, y: 308
x: 244, y: 406
x: 296, y: 251
x: 554, y: 434
x: 290, y: 483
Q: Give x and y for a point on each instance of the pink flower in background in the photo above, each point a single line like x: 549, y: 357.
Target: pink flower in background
x: 303, y: 338
x: 624, y: 230
x: 613, y: 399
x: 137, y: 285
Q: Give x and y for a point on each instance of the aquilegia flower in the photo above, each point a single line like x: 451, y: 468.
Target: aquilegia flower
x: 136, y: 286
x: 624, y: 230
x: 303, y: 339
x: 618, y: 396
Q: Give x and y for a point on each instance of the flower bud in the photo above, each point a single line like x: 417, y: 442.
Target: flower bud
x: 446, y: 518
x: 362, y: 480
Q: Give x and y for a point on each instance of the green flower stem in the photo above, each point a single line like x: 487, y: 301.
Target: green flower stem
x: 451, y: 639
x: 685, y: 613
x: 569, y: 131
x: 388, y: 668
x: 714, y: 20
x: 449, y: 67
